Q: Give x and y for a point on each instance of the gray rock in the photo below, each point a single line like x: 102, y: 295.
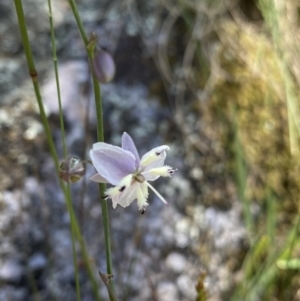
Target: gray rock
x: 186, y: 286
x: 11, y: 271
x: 176, y: 262
x: 13, y: 293
x: 37, y: 262
x: 166, y: 291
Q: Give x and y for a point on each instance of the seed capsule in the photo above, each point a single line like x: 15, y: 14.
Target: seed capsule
x: 71, y: 170
x: 104, y: 66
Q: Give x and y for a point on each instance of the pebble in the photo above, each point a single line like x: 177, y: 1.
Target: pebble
x: 166, y: 291
x: 11, y: 271
x: 37, y: 262
x: 186, y: 286
x: 11, y: 293
x: 176, y: 262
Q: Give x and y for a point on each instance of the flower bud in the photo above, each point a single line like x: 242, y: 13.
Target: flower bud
x: 71, y: 169
x: 104, y: 66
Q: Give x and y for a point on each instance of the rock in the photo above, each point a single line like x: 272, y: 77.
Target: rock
x: 37, y: 262
x: 11, y: 271
x: 167, y: 291
x: 176, y: 262
x: 186, y: 286
x: 13, y: 293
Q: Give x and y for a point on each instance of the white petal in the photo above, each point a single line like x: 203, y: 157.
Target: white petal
x: 154, y: 173
x: 125, y: 198
x: 117, y: 190
x: 154, y: 158
x: 142, y: 195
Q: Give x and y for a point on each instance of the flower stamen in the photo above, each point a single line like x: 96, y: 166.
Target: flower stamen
x: 157, y: 193
x: 171, y: 170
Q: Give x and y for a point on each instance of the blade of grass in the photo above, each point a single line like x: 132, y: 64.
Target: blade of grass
x: 241, y: 172
x: 271, y: 215
x: 289, y: 264
x: 266, y: 272
x: 272, y: 17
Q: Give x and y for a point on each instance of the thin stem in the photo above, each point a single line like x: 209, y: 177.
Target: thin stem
x: 73, y: 235
x: 100, y: 137
x: 90, y: 46
x: 61, y: 118
x: 77, y: 232
x: 34, y: 78
x: 79, y: 23
x: 106, y: 280
x: 241, y: 172
x: 68, y: 191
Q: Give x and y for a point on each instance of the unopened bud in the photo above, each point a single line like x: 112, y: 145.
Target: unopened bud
x: 71, y: 170
x: 104, y: 66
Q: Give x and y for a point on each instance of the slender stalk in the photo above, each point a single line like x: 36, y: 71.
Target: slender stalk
x: 271, y: 215
x: 241, y: 172
x: 73, y: 236
x: 63, y: 136
x: 77, y: 233
x: 34, y: 78
x: 100, y: 137
x: 106, y: 280
x: 90, y: 46
x: 79, y: 23
x: 61, y: 118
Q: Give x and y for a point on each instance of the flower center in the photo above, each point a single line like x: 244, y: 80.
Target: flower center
x: 139, y: 178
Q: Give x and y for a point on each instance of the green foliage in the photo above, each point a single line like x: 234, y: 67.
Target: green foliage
x: 252, y: 110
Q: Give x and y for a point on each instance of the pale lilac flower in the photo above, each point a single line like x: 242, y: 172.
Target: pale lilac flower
x: 130, y: 175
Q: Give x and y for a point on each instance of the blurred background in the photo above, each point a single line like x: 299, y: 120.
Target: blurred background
x: 217, y: 81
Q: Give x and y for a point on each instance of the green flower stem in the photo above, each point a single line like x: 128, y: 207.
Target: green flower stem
x: 73, y: 235
x: 90, y: 47
x: 34, y: 78
x: 67, y: 187
x: 100, y: 137
x: 61, y: 118
x: 102, y: 187
x: 79, y: 23
x: 76, y: 232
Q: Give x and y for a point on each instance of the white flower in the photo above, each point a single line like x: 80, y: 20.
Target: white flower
x: 123, y: 168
